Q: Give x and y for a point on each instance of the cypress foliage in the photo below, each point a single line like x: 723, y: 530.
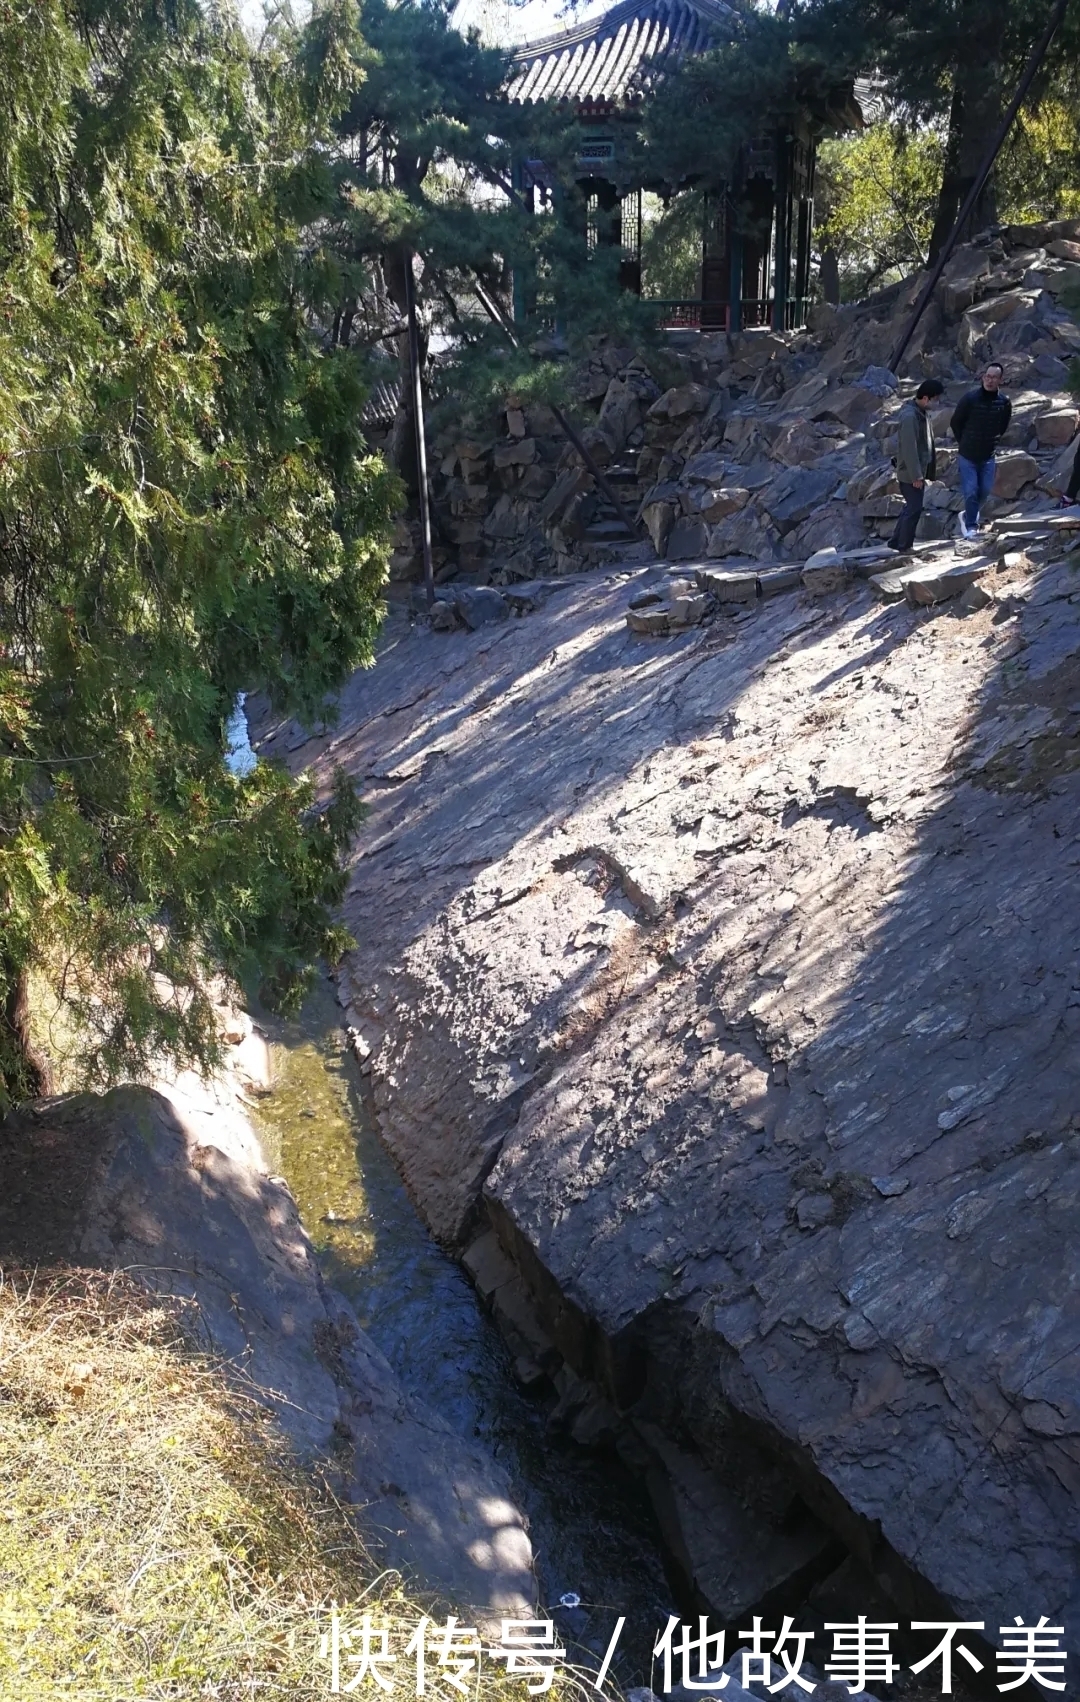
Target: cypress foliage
x: 187, y: 509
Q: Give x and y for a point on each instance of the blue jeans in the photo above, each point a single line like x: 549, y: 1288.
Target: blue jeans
x: 976, y: 483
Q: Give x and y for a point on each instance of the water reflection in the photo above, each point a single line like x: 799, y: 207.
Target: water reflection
x: 591, y: 1527
x: 240, y: 759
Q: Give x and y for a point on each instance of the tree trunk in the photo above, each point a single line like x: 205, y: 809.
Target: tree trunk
x: 974, y: 116
x: 31, y: 1076
x: 829, y: 273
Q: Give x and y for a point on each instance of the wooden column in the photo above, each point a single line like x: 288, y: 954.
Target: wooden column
x: 782, y: 272
x: 735, y: 248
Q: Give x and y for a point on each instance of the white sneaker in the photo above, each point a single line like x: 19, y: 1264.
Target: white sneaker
x: 965, y: 529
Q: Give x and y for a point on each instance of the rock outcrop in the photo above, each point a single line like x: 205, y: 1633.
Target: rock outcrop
x: 767, y: 446
x: 720, y: 996
x: 176, y: 1192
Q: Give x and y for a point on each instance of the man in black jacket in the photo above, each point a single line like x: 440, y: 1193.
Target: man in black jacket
x: 981, y: 417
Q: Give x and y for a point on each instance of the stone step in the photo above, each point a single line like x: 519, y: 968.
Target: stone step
x: 1050, y: 520
x: 932, y: 582
x: 607, y: 531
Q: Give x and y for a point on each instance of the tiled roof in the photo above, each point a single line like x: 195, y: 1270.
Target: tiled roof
x: 610, y: 60
x: 380, y: 409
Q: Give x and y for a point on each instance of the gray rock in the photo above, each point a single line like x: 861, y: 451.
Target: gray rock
x: 883, y: 1347
x: 814, y: 1210
x: 794, y: 496
x: 477, y: 605
x: 687, y: 540
x: 879, y: 381
x: 707, y: 468
x: 620, y: 413
x: 718, y: 504
x: 442, y: 615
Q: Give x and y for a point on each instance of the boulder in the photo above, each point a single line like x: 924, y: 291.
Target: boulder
x: 802, y: 441
x: 1063, y: 249
x: 649, y: 622
x: 835, y: 523
x: 1061, y: 471
x: 680, y: 402
x: 443, y: 616
x: 851, y: 405
x: 687, y: 539
x: 959, y: 284
x: 794, y: 495
x: 929, y: 585
x: 825, y: 571
x: 566, y: 486
x: 478, y: 605
x: 620, y: 413
x: 718, y: 504
x: 1014, y: 335
x: 825, y: 321
x: 1056, y: 427
x: 1059, y: 278
x: 884, y: 507
x: 689, y: 609
x: 879, y: 381
x: 519, y: 452
x: 659, y: 518
x: 870, y: 482
x: 599, y: 445
x: 1015, y: 469
x: 733, y: 587
x: 706, y: 468
x: 806, y: 394
x: 743, y: 534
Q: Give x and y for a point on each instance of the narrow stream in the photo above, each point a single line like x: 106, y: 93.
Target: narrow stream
x: 591, y: 1526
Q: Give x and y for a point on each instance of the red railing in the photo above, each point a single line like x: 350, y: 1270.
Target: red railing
x: 693, y: 314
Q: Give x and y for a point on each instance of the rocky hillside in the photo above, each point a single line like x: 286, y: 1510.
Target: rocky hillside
x: 766, y: 446
x: 719, y: 989
x: 719, y: 995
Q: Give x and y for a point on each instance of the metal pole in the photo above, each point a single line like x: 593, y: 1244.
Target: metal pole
x: 418, y: 421
x: 491, y: 308
x: 1038, y: 54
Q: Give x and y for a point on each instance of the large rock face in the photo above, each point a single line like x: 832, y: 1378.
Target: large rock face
x: 175, y: 1190
x: 733, y: 977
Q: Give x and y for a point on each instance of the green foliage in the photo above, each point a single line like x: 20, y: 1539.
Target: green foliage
x: 1039, y: 169
x: 423, y: 164
x: 876, y: 198
x: 671, y: 248
x: 187, y: 509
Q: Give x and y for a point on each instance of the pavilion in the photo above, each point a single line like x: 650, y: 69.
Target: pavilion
x: 756, y: 233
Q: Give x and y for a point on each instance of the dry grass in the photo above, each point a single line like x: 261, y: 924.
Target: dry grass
x: 156, y: 1541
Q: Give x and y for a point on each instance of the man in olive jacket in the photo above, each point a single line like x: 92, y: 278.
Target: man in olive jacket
x: 982, y: 417
x: 915, y: 460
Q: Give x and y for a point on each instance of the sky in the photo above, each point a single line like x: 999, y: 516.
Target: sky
x: 500, y: 22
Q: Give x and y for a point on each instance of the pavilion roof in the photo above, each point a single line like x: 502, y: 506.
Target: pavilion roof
x: 611, y: 60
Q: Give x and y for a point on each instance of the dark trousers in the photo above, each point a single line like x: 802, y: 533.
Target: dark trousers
x: 1074, y: 478
x: 904, y: 535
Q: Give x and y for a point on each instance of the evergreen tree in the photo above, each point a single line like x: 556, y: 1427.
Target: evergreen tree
x: 187, y: 509
x: 424, y: 171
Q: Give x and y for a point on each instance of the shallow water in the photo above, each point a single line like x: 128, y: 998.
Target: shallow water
x: 592, y: 1529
